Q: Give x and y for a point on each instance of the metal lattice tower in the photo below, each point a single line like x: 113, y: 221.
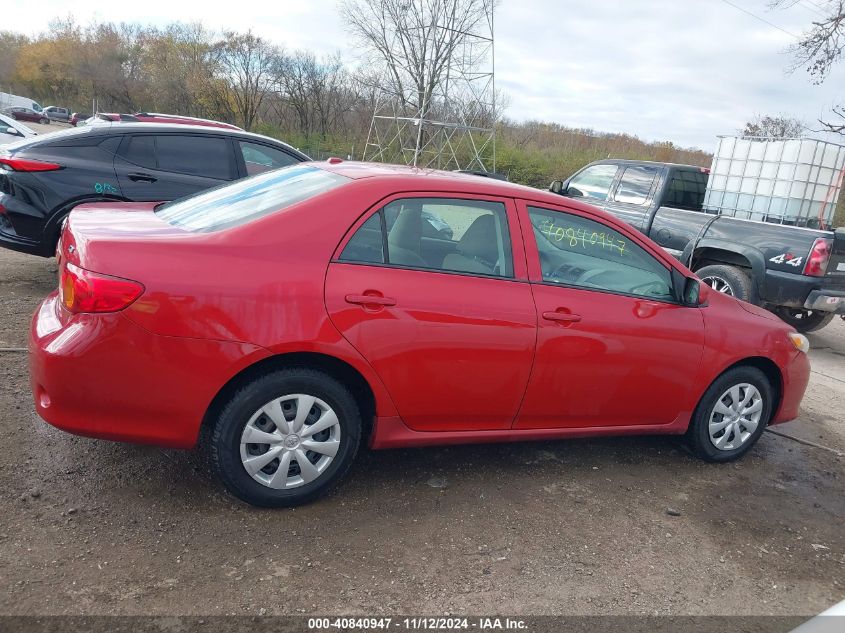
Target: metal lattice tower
x: 454, y: 128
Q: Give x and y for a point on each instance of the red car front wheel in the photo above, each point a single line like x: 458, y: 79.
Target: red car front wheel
x: 732, y: 414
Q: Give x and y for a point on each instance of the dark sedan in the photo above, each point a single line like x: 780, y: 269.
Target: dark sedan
x: 42, y: 179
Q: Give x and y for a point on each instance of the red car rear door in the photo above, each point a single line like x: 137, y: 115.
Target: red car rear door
x: 613, y: 347
x: 432, y: 290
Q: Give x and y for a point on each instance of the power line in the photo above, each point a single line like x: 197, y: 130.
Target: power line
x: 757, y: 17
x: 810, y: 6
x: 815, y: 4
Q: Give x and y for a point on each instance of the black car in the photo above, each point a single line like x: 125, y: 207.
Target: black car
x: 43, y: 178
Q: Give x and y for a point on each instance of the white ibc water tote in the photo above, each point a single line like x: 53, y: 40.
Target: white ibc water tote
x: 787, y: 181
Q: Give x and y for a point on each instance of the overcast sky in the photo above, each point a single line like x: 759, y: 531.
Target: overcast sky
x: 678, y: 70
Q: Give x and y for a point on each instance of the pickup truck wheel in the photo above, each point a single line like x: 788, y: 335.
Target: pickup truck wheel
x: 731, y: 415
x: 804, y: 320
x: 729, y: 280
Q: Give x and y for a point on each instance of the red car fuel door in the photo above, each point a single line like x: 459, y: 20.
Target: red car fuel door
x: 613, y: 347
x: 427, y: 290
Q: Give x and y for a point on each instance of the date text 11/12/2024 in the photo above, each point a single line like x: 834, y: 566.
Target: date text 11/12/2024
x: 418, y: 624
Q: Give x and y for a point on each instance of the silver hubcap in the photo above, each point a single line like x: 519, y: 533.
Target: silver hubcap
x: 290, y: 441
x: 719, y: 285
x: 735, y: 416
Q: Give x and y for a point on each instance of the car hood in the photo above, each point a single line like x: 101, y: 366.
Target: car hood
x: 732, y: 303
x: 757, y: 311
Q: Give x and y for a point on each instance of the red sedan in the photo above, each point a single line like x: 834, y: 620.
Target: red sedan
x: 301, y: 312
x: 26, y: 114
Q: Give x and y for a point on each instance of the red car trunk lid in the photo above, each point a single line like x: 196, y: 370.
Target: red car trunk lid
x: 114, y: 238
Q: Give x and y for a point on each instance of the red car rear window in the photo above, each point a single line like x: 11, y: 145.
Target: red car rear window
x: 248, y: 199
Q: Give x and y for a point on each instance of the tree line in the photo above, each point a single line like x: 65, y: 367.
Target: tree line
x: 183, y: 69
x: 308, y: 100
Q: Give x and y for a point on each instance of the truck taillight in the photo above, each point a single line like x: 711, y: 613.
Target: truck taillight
x: 816, y: 265
x: 82, y: 290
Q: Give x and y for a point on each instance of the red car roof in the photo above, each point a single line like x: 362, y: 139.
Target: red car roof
x: 450, y: 180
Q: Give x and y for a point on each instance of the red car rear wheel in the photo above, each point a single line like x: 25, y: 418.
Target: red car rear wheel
x: 286, y: 438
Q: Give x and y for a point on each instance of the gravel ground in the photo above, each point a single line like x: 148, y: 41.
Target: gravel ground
x: 621, y: 526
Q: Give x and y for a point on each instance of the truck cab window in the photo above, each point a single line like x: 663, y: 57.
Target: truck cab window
x: 594, y: 182
x: 686, y: 190
x: 635, y: 184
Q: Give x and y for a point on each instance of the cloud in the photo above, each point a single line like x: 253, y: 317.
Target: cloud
x: 660, y: 69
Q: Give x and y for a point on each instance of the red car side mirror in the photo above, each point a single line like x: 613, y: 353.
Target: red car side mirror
x: 703, y: 292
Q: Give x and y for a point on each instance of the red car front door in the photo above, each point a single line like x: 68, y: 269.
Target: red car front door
x: 613, y: 347
x: 428, y: 290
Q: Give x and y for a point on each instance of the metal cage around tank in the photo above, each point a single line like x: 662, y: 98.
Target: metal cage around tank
x: 793, y: 181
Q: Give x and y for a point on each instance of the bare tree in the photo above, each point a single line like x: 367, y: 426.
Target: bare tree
x: 332, y: 93
x: 291, y: 75
x: 246, y: 61
x: 820, y: 48
x: 181, y: 67
x: 415, y: 40
x: 774, y: 127
x: 837, y: 125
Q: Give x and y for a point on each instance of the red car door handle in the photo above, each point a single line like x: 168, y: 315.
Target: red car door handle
x: 370, y: 300
x: 564, y: 317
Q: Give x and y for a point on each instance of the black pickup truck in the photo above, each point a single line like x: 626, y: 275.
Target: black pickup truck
x: 796, y: 272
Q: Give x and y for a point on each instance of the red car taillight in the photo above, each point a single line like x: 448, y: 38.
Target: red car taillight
x: 23, y: 164
x: 816, y: 265
x: 81, y: 290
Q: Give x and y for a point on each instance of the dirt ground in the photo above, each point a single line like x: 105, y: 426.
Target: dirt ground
x: 575, y: 527
x: 52, y: 126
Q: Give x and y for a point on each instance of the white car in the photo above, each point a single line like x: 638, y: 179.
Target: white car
x: 12, y: 130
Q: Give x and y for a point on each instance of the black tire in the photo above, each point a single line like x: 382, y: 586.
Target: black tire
x: 804, y: 320
x: 225, y: 449
x: 698, y: 434
x: 737, y: 280
x: 45, y: 121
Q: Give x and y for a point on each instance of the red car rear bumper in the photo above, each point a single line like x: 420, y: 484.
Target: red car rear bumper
x: 101, y: 375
